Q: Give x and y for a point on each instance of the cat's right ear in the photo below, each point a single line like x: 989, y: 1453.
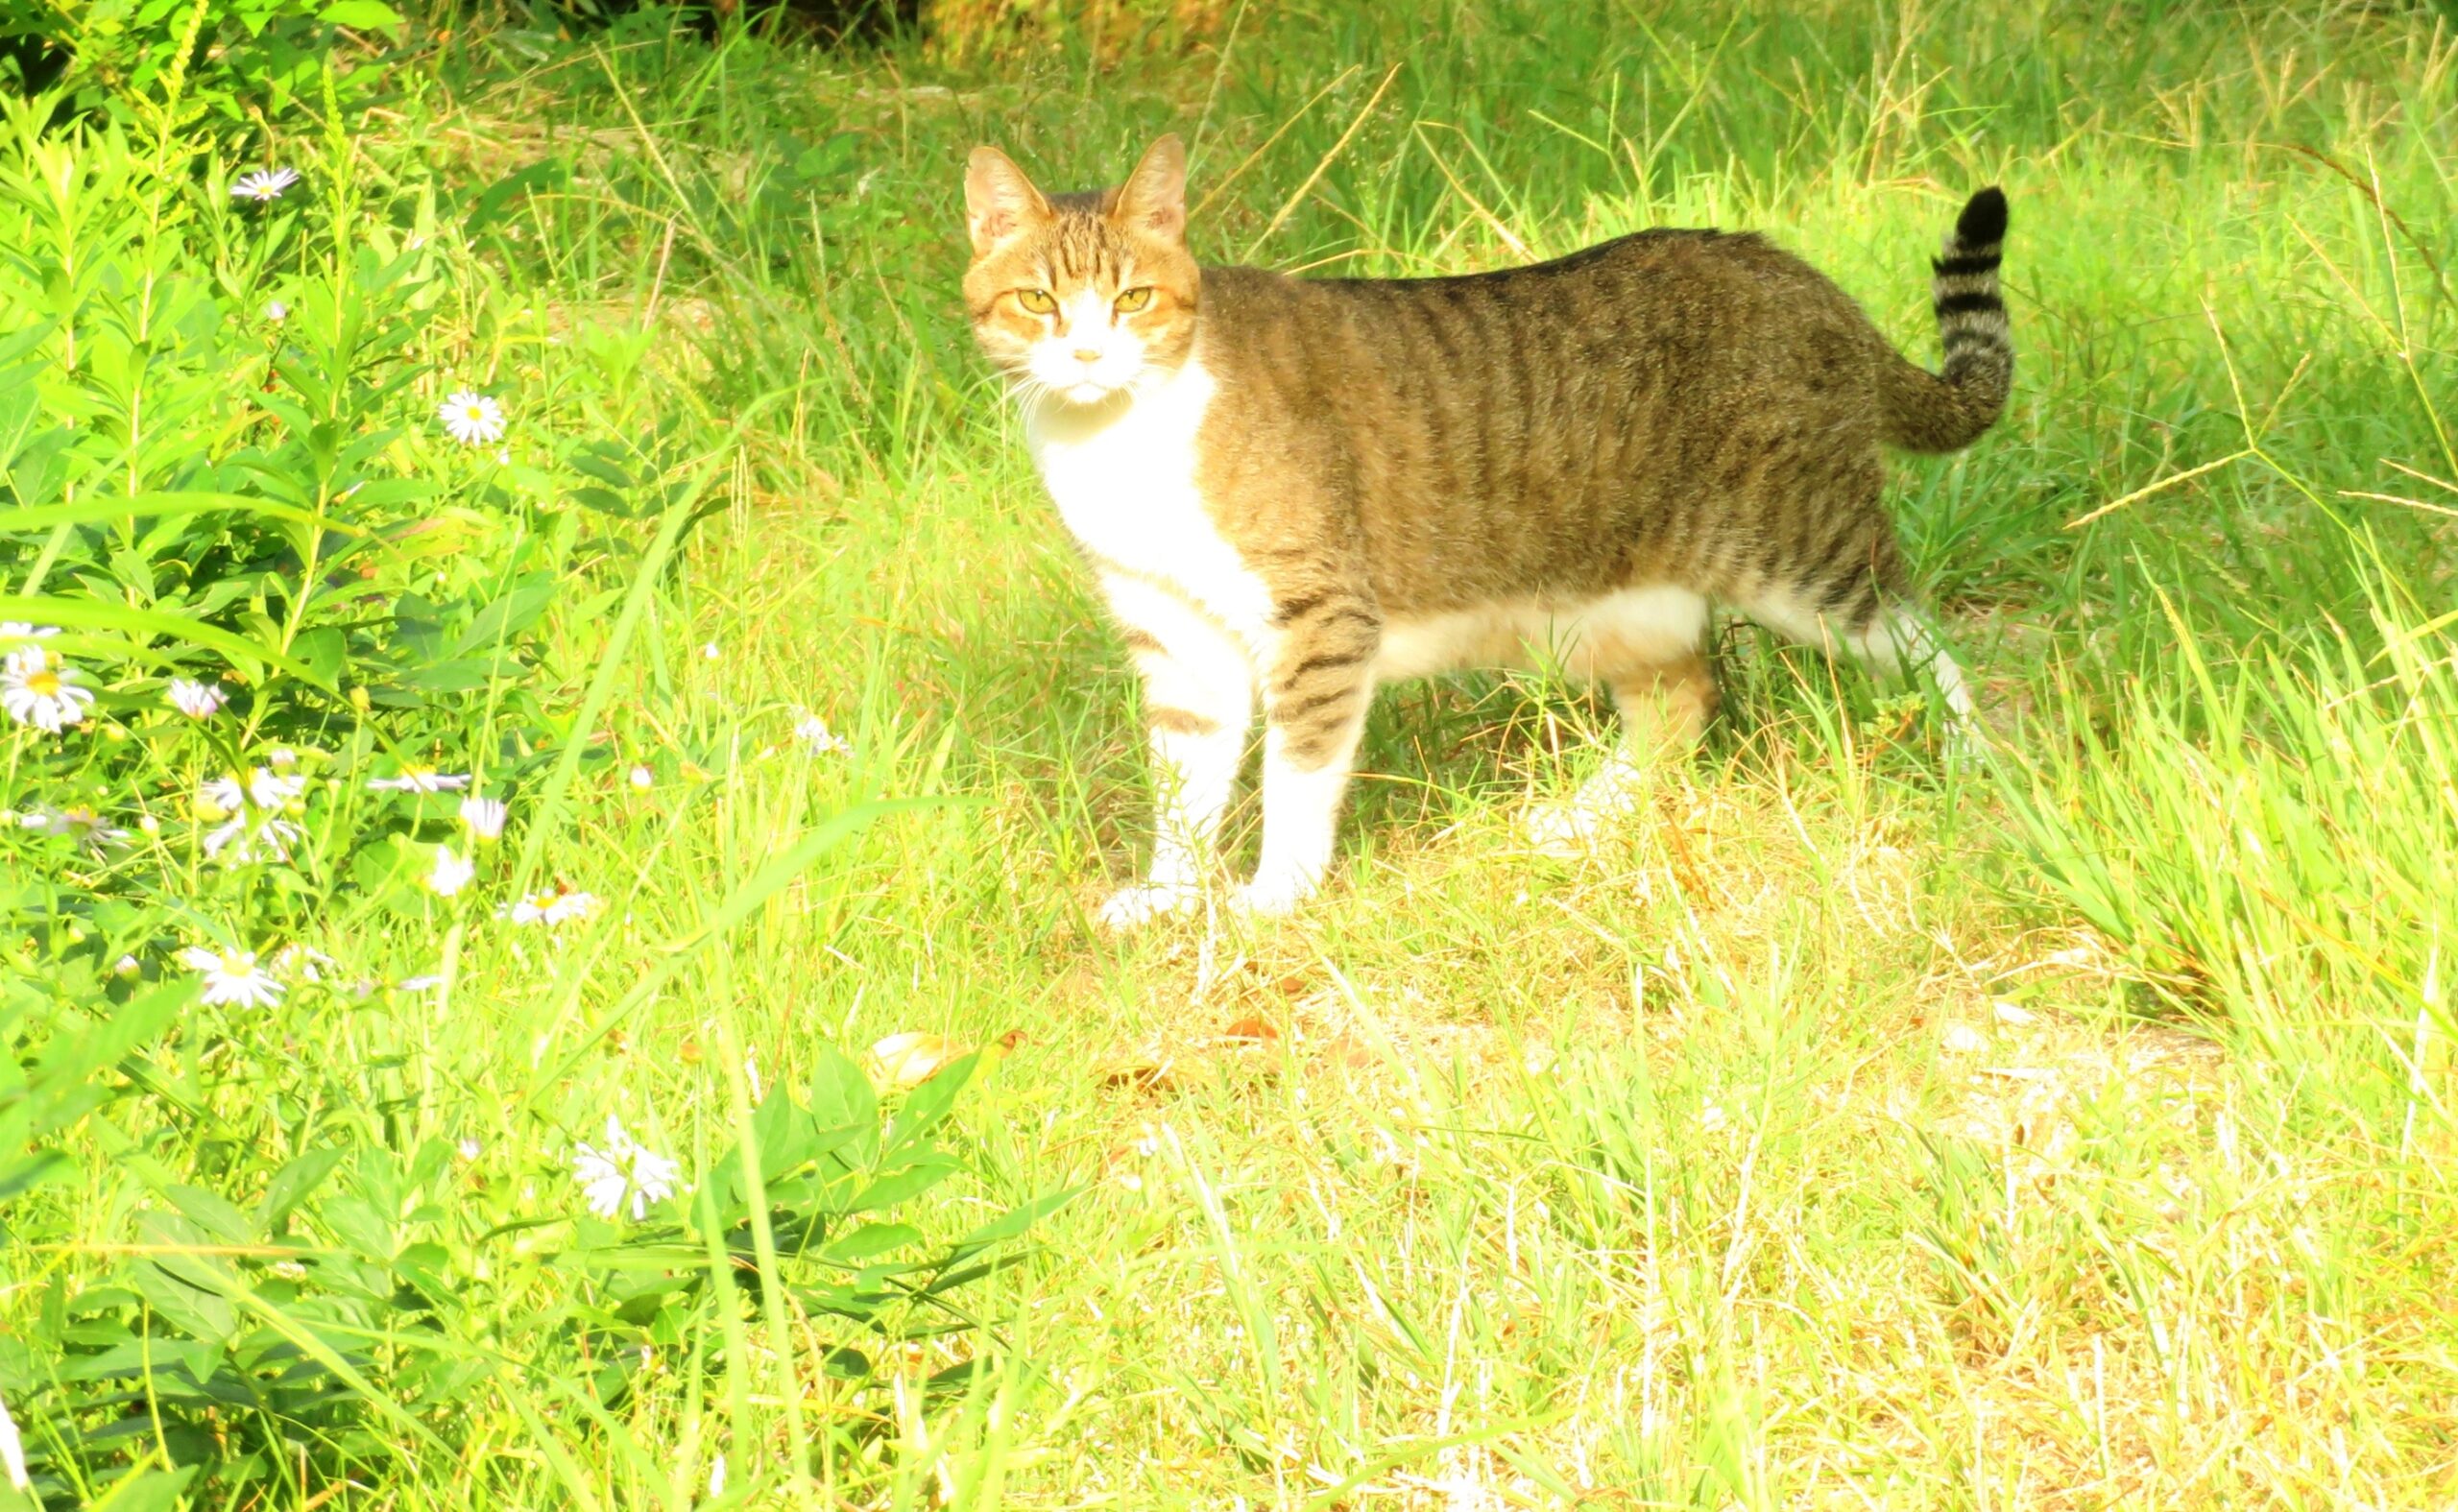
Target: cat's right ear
x: 999, y: 199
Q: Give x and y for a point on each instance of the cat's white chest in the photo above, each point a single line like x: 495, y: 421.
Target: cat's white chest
x: 1125, y: 483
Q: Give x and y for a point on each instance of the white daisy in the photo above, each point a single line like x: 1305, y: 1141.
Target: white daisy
x: 554, y: 908
x: 419, y: 779
x: 80, y: 819
x: 261, y: 789
x: 234, y: 977
x: 37, y: 688
x: 300, y: 963
x: 255, y: 829
x: 471, y: 418
x: 623, y: 1171
x: 485, y: 816
x: 818, y: 740
x: 18, y: 635
x: 196, y: 700
x: 452, y: 872
x: 239, y: 842
x: 263, y: 184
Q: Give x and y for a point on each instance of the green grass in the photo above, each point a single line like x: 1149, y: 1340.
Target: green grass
x: 1853, y: 1131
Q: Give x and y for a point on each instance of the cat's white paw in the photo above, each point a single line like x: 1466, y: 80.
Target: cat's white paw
x: 1579, y: 825
x: 1967, y: 748
x: 1145, y: 901
x: 1273, y: 898
x: 1564, y: 830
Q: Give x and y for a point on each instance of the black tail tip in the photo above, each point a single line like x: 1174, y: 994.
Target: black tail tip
x: 1983, y: 219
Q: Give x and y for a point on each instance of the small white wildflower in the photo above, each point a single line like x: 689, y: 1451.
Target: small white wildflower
x: 553, y: 909
x: 503, y: 459
x: 623, y: 1171
x: 255, y: 831
x: 470, y: 1147
x: 12, y: 1452
x: 471, y: 418
x: 300, y: 962
x: 710, y: 651
x: 643, y: 778
x: 452, y: 872
x: 80, y: 819
x: 233, y: 978
x: 196, y: 700
x: 39, y: 688
x: 485, y: 816
x: 818, y: 740
x: 267, y: 839
x: 283, y: 755
x: 287, y: 1270
x: 126, y: 966
x: 420, y: 984
x: 419, y: 779
x: 275, y: 311
x: 261, y: 788
x: 263, y: 184
x: 18, y: 635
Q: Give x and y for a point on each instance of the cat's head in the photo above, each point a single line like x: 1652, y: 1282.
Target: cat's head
x: 1081, y: 296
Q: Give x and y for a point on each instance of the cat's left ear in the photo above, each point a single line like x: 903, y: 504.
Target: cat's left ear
x: 999, y: 199
x: 1154, y: 200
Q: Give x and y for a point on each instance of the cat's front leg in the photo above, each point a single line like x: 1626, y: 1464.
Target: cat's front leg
x: 1314, y: 705
x: 1199, y: 704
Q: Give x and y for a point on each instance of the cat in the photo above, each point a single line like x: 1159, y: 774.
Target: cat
x: 1299, y: 488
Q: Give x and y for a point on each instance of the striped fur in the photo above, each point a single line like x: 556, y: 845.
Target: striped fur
x: 1293, y: 489
x: 1946, y: 413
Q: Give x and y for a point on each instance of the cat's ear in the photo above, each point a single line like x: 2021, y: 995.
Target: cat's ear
x: 999, y: 199
x: 1154, y: 200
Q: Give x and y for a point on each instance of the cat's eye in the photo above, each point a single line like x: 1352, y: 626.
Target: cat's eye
x: 1038, y: 300
x: 1132, y: 301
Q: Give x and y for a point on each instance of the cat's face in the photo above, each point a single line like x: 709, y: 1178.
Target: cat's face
x: 1081, y: 297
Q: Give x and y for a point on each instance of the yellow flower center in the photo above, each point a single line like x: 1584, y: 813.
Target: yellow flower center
x: 44, y: 683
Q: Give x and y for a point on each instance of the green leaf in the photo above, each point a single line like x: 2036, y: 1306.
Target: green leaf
x: 292, y: 1185
x: 45, y: 607
x: 146, y: 1491
x: 842, y: 1097
x: 870, y: 1241
x: 363, y: 15
x: 905, y: 1185
x: 929, y: 1104
x: 506, y: 617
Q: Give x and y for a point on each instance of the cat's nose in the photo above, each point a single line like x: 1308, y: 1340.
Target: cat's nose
x: 1088, y: 355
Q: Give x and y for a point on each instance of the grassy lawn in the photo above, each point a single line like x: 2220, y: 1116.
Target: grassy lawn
x: 1856, y: 1129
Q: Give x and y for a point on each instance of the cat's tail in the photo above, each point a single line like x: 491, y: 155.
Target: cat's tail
x: 1929, y: 412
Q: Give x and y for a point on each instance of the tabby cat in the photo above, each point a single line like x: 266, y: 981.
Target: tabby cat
x: 1299, y: 488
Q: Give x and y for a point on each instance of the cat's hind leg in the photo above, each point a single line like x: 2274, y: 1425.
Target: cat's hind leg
x: 1314, y: 705
x: 1885, y: 629
x: 1645, y: 646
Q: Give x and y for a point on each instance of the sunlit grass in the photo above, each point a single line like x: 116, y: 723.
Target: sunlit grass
x: 1855, y: 1130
